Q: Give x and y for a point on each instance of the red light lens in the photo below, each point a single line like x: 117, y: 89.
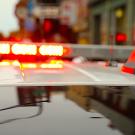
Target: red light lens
x: 24, y: 49
x: 4, y: 48
x: 51, y: 50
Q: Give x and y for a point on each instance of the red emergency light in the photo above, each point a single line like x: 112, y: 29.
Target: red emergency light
x: 32, y: 51
x: 129, y: 66
x: 4, y: 48
x: 24, y: 49
x: 50, y: 50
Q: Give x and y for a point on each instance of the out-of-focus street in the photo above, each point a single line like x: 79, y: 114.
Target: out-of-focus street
x: 72, y: 21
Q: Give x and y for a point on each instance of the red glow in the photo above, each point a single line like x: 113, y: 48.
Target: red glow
x: 28, y: 65
x: 67, y: 51
x: 48, y: 25
x: 51, y: 50
x: 121, y: 37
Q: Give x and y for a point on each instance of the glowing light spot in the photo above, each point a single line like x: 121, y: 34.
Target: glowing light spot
x: 24, y: 49
x: 51, y: 50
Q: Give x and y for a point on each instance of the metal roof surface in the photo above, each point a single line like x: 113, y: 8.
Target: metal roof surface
x: 89, y: 73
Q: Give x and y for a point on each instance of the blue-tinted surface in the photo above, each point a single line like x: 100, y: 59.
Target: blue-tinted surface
x: 68, y: 111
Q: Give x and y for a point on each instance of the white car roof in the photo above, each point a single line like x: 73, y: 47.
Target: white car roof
x: 88, y: 73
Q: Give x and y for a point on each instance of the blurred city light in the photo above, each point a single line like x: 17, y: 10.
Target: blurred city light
x: 121, y: 37
x: 119, y: 13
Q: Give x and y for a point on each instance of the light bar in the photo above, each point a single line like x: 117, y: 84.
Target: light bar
x: 30, y: 52
x: 4, y: 48
x: 24, y: 49
x: 51, y: 50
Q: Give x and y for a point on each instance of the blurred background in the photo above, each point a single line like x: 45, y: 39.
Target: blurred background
x: 88, y: 22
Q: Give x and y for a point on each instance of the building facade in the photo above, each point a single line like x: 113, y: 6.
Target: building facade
x: 112, y: 22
